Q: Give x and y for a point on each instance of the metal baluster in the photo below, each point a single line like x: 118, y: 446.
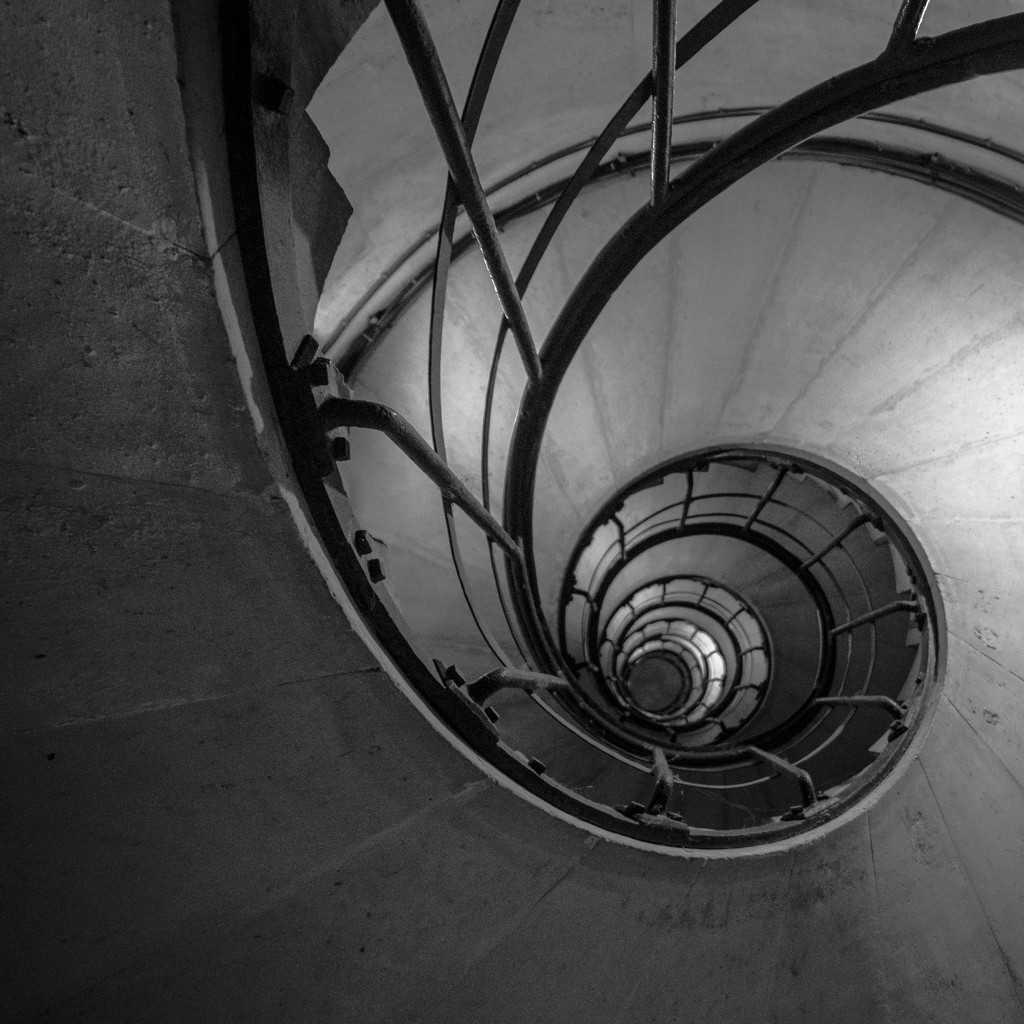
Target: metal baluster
x: 904, y: 29
x: 877, y: 613
x: 663, y: 74
x: 437, y: 98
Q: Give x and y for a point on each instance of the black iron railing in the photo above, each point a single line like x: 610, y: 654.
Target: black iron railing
x: 585, y: 685
x: 801, y: 531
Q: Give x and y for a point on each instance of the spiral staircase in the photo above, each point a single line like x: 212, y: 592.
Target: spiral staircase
x: 813, y: 606
x: 689, y: 555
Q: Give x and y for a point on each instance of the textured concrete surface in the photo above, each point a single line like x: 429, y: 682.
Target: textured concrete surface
x: 142, y: 541
x: 215, y: 808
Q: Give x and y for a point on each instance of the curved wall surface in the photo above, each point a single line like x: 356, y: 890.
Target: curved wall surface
x: 218, y: 806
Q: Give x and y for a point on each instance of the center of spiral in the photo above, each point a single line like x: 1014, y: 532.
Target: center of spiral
x: 658, y: 683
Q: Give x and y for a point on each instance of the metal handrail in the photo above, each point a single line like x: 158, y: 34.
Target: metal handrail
x: 621, y: 545
x: 734, y: 158
x: 906, y: 26
x: 663, y: 86
x: 984, y: 50
x: 479, y: 87
x: 802, y: 776
x: 993, y: 46
x: 425, y: 64
x: 692, y: 42
x: 484, y: 688
x: 335, y: 413
x: 876, y: 613
x: 879, y: 117
x: 666, y: 531
x: 620, y: 164
x: 822, y: 153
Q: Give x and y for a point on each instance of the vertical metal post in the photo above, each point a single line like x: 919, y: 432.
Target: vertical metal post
x: 508, y: 678
x: 803, y: 777
x: 687, y: 499
x: 663, y: 71
x: 904, y: 29
x: 877, y: 613
x: 621, y: 527
x: 868, y: 700
x: 664, y: 782
x: 425, y: 64
x: 836, y: 541
x: 766, y: 497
